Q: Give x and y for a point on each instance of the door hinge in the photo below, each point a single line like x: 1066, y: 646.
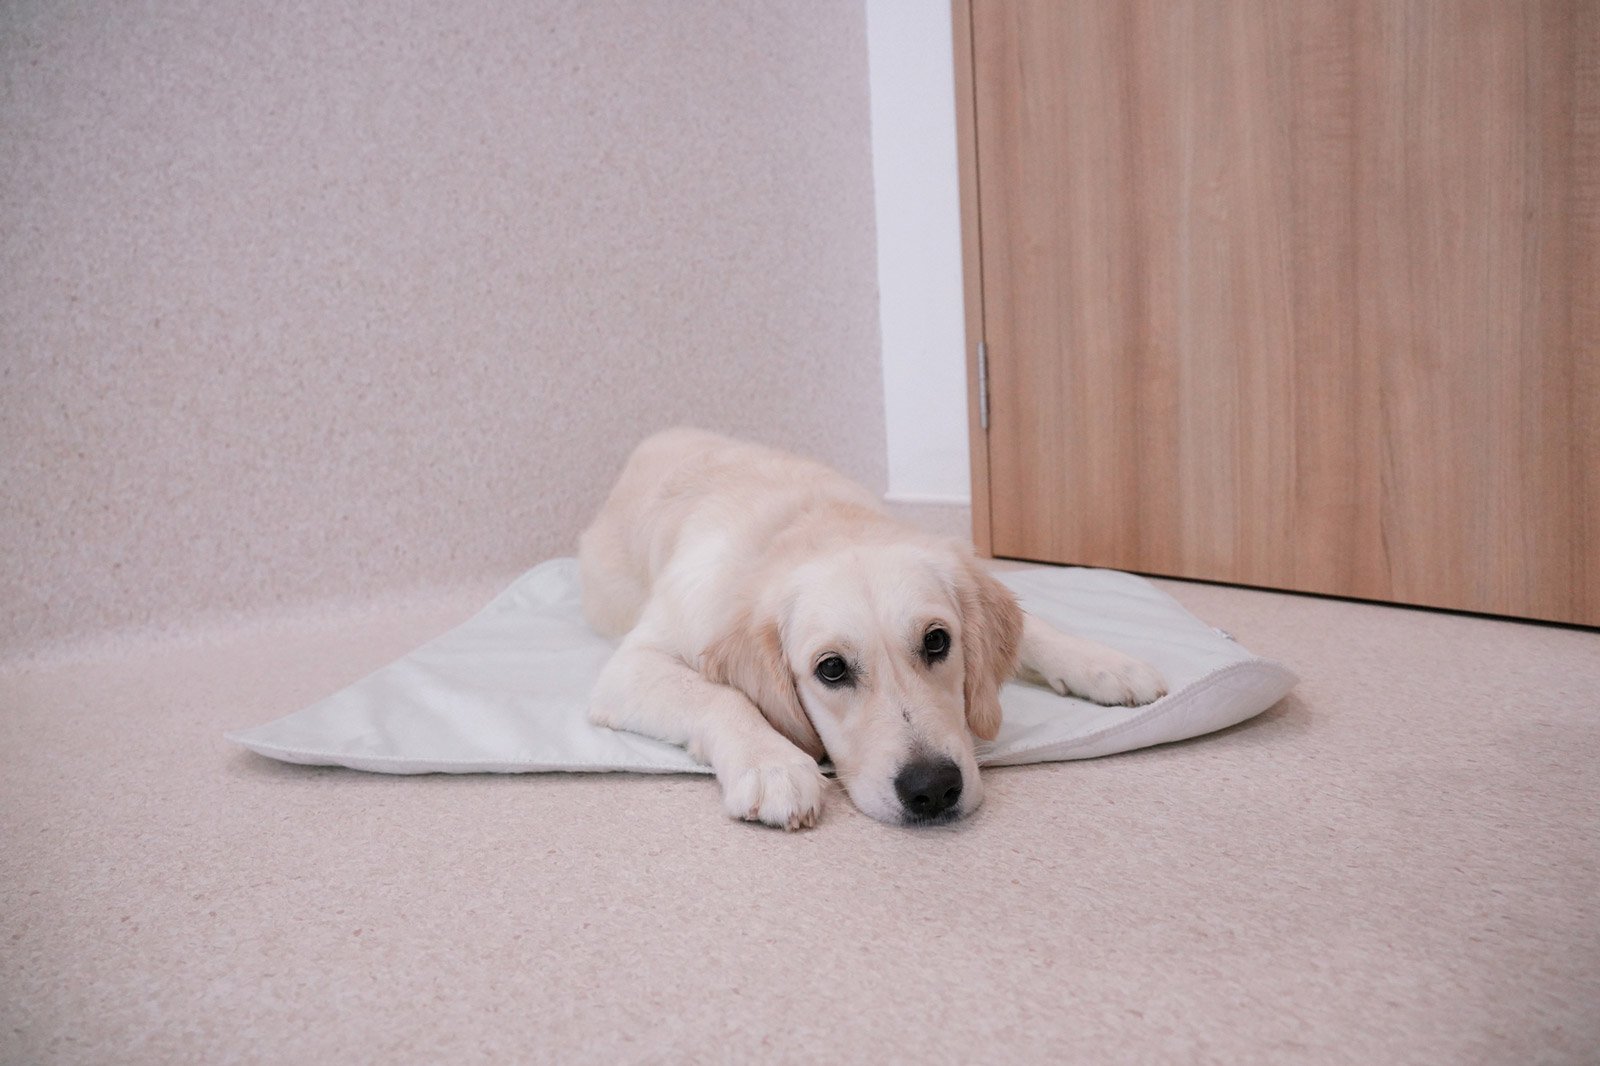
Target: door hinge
x: 983, y: 386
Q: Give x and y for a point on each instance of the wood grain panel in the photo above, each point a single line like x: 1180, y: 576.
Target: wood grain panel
x: 1296, y: 295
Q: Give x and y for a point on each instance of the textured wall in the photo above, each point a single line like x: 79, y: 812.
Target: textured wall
x: 305, y: 300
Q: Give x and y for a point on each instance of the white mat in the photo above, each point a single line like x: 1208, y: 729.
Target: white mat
x: 505, y: 692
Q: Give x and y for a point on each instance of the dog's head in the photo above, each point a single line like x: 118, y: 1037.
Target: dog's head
x: 889, y: 657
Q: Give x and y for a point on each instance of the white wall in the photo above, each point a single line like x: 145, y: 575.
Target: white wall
x: 303, y: 302
x: 918, y: 201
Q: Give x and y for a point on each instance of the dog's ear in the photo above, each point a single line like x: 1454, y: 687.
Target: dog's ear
x: 749, y: 657
x: 991, y: 634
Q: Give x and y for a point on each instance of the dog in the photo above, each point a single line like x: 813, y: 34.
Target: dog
x: 770, y: 614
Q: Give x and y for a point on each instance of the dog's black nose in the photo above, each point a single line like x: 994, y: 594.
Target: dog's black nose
x: 928, y: 787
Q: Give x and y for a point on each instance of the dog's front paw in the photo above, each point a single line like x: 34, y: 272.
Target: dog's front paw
x: 787, y: 794
x: 1112, y: 679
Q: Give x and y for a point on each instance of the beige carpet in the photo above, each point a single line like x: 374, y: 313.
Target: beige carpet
x: 1397, y: 864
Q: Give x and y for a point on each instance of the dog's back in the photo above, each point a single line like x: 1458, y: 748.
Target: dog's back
x: 687, y: 490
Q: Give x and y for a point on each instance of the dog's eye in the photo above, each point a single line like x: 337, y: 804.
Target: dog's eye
x: 935, y: 645
x: 833, y: 671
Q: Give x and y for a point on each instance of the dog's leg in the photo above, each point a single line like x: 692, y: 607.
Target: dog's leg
x: 764, y: 777
x: 1079, y: 667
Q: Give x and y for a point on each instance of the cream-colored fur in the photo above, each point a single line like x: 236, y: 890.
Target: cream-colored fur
x: 742, y: 581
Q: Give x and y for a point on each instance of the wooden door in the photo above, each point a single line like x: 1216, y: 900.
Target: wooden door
x: 1302, y: 294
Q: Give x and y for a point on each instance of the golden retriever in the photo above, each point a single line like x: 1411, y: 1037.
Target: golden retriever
x: 771, y: 614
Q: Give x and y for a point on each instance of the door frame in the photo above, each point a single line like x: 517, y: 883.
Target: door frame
x: 971, y: 269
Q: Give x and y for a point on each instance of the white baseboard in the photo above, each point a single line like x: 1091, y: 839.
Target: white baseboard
x: 920, y: 499
x: 945, y: 519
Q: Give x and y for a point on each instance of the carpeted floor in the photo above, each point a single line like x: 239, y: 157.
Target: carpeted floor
x: 1397, y: 864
